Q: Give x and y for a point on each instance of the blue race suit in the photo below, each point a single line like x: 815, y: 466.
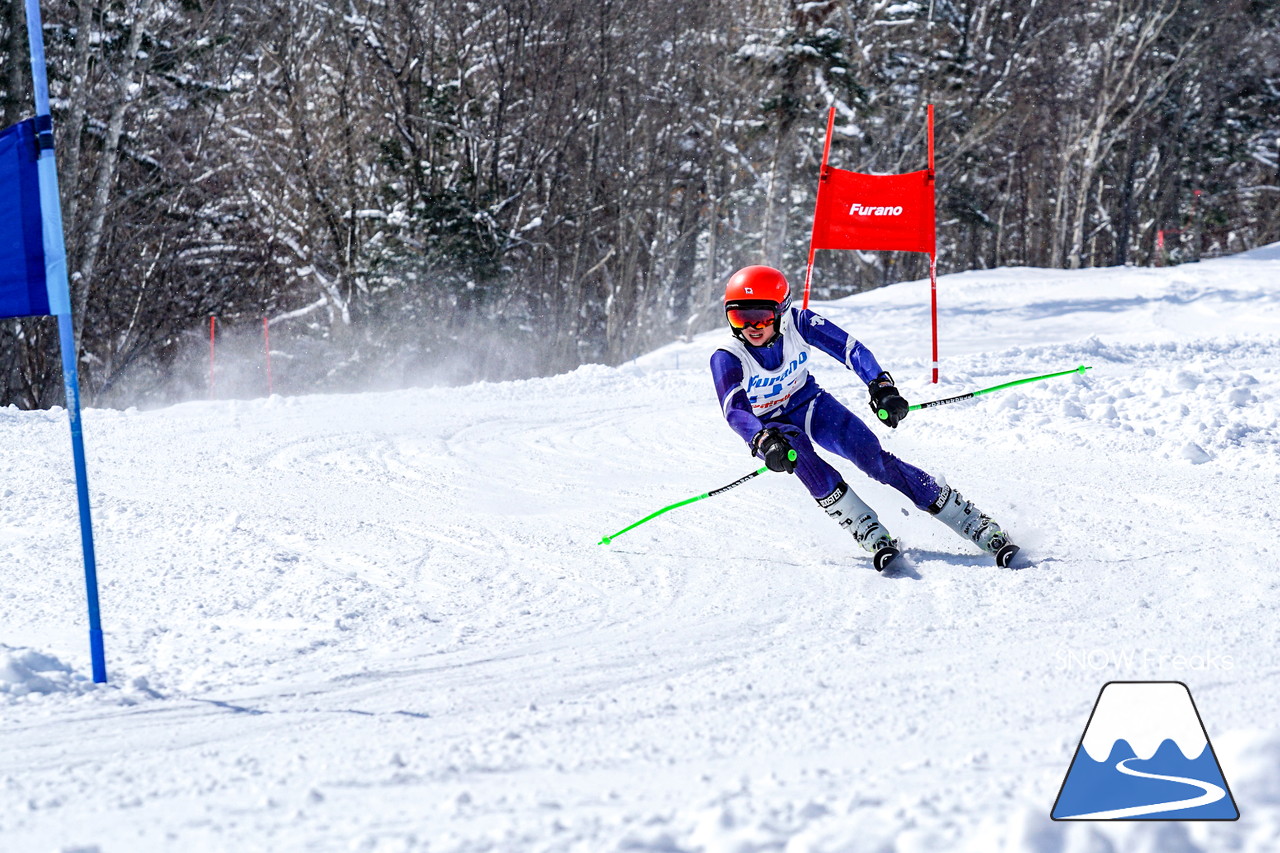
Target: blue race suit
x: 770, y: 386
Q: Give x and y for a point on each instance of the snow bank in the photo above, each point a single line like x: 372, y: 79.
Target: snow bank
x: 895, y: 822
x: 26, y: 673
x: 31, y: 676
x: 382, y: 621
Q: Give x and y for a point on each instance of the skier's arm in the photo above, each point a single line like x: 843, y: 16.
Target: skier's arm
x: 837, y: 343
x: 727, y: 372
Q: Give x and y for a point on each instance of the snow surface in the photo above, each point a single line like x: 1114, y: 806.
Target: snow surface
x: 382, y: 622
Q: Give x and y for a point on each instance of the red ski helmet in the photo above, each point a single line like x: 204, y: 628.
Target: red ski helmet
x: 758, y: 284
x: 754, y: 296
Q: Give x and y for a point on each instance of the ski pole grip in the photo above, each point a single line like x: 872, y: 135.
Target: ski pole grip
x: 884, y: 416
x: 791, y: 455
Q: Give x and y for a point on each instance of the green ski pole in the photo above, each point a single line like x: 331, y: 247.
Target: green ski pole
x: 1081, y: 369
x: 791, y: 454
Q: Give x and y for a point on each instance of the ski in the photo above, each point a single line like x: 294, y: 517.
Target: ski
x: 884, y: 556
x: 1004, y: 556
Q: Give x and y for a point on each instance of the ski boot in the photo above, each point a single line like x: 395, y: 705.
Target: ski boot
x: 971, y: 523
x: 852, y: 514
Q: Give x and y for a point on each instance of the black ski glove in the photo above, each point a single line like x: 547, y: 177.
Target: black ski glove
x: 772, y: 446
x: 886, y: 402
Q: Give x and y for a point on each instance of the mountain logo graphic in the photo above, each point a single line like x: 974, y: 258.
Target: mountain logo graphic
x: 1145, y: 755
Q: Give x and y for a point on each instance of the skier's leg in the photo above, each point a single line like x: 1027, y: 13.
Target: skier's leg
x: 852, y: 514
x: 835, y: 428
x: 812, y: 470
x: 971, y: 523
x: 836, y: 498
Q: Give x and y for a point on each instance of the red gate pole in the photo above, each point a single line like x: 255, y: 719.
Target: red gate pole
x: 212, y: 321
x: 822, y: 176
x: 933, y: 261
x: 266, y: 346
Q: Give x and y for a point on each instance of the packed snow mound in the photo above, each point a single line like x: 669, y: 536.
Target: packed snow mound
x: 1262, y: 253
x: 24, y: 672
x: 28, y: 675
x: 1250, y: 761
x: 879, y: 822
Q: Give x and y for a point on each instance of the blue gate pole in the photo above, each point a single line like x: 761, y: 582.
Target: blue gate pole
x: 55, y: 254
x: 70, y: 376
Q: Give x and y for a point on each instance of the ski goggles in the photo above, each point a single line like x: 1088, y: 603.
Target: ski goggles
x: 751, y: 318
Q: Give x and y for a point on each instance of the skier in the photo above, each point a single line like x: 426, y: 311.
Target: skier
x: 769, y: 398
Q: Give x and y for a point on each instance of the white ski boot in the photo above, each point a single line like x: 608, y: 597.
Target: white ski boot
x: 851, y: 513
x: 973, y: 524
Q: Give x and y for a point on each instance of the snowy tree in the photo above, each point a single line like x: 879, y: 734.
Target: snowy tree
x: 417, y: 190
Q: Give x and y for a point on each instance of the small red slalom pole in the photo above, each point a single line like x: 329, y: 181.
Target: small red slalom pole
x: 822, y: 176
x: 212, y: 332
x: 266, y: 348
x: 933, y: 263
